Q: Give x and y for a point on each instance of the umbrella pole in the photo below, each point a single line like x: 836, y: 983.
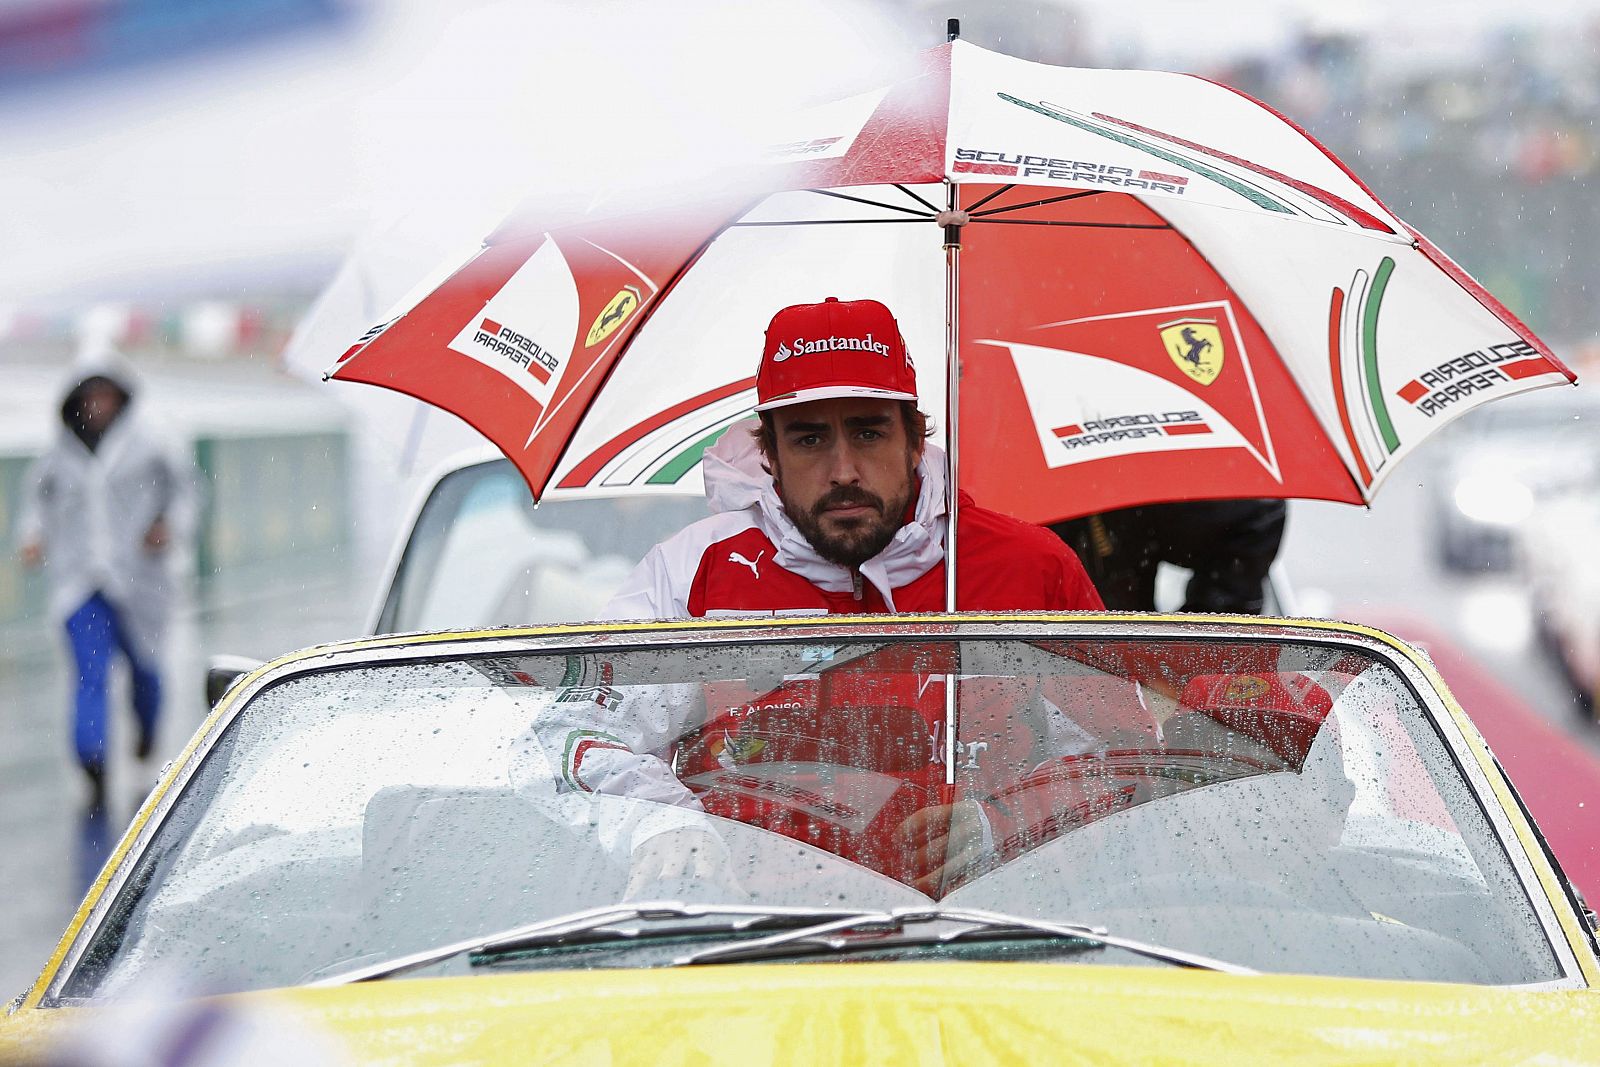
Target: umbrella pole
x: 952, y: 409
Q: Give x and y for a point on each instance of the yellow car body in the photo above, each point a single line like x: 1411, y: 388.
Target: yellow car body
x: 904, y: 1012
x: 931, y: 1013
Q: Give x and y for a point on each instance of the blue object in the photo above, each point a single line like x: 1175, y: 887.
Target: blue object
x: 96, y: 634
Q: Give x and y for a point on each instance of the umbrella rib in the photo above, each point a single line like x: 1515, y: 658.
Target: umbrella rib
x: 1084, y: 225
x: 872, y: 203
x: 1003, y: 190
x: 828, y: 222
x: 646, y: 315
x: 918, y: 199
x: 1038, y: 203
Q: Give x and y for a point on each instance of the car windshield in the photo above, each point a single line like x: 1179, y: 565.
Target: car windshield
x: 1281, y: 806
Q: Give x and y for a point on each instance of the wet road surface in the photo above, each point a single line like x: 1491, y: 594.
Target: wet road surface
x: 51, y: 847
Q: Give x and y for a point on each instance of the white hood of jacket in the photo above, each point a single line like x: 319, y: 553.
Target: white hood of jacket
x: 736, y: 481
x: 91, y: 510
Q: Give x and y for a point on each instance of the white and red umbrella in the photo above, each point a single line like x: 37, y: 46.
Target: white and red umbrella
x: 1146, y: 287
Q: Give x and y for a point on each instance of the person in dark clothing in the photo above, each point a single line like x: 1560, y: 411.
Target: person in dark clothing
x: 1227, y: 544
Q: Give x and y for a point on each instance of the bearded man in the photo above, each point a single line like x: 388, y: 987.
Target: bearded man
x: 835, y: 503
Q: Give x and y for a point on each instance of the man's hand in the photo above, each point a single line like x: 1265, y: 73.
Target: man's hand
x: 155, y: 538
x: 948, y: 842
x: 31, y: 554
x: 686, y: 857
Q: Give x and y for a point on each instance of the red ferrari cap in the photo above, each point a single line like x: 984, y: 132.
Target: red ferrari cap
x: 833, y: 349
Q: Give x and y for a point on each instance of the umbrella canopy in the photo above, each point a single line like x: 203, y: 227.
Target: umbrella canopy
x: 1147, y: 286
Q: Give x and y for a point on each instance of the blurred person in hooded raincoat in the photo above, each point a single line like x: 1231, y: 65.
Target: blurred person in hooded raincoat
x: 101, y: 511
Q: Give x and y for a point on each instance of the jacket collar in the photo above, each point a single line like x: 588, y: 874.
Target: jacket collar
x: 736, y: 481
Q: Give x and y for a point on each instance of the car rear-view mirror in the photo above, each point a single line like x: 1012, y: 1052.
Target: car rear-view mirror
x: 222, y: 671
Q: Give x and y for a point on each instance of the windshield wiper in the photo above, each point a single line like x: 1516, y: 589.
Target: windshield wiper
x: 801, y: 931
x: 853, y: 933
x: 601, y: 925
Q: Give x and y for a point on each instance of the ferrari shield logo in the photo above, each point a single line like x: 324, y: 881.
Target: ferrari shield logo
x: 1248, y: 687
x: 1195, y: 345
x: 615, y: 313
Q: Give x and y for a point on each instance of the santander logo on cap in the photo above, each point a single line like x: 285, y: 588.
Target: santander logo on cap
x: 838, y: 348
x: 802, y: 347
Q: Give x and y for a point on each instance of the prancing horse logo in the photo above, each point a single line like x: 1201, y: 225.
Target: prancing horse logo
x: 737, y: 557
x: 1196, y: 347
x: 613, y: 315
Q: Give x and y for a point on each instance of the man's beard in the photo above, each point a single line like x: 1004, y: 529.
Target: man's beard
x: 863, y: 538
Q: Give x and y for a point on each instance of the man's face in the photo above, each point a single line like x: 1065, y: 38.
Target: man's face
x: 102, y: 401
x: 845, y: 473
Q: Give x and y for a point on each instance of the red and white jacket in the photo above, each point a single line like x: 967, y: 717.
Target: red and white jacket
x: 749, y: 558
